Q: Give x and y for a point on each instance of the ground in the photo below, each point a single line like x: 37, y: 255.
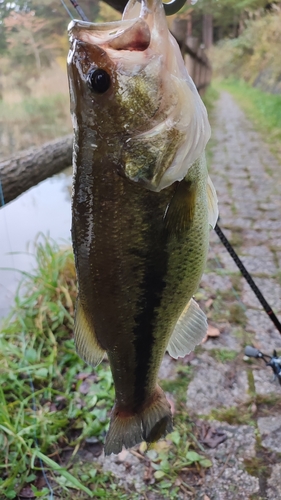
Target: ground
x: 233, y: 401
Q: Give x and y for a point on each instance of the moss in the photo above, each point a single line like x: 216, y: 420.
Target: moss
x: 178, y: 387
x: 223, y: 355
x: 234, y: 415
x: 237, y: 314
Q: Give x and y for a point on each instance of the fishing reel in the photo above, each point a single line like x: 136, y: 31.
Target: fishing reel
x: 273, y: 361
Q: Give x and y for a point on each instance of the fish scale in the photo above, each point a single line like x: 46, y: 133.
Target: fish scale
x: 141, y: 211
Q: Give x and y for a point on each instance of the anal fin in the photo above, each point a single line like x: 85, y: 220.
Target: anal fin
x: 189, y: 331
x: 86, y: 343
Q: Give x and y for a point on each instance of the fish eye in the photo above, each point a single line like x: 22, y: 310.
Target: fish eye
x: 98, y: 80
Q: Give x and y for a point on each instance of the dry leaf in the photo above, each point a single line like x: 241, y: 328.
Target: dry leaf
x: 213, y: 331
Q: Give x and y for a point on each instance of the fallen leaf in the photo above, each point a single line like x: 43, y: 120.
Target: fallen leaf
x: 84, y: 387
x: 213, y: 331
x: 210, y: 436
x: 27, y: 492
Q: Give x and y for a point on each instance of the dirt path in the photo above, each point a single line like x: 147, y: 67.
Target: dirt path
x: 229, y: 398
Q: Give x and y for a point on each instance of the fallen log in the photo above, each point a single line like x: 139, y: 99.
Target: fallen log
x: 31, y: 166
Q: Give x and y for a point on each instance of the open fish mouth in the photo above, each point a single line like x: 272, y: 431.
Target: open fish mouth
x: 131, y: 33
x: 123, y: 35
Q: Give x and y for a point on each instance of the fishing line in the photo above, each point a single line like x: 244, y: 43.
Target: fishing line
x: 67, y: 9
x: 34, y: 408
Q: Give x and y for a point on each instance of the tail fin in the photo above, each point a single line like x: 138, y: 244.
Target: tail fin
x: 152, y: 423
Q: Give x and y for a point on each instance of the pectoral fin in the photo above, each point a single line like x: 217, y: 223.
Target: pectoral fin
x: 180, y: 213
x: 189, y: 331
x: 86, y: 343
x: 213, y: 211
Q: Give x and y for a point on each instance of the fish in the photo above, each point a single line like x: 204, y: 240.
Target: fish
x: 142, y: 207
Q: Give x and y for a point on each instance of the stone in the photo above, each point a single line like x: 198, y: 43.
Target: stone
x: 274, y: 483
x: 270, y: 430
x: 215, y: 385
x: 267, y: 336
x: 264, y: 381
x: 127, y: 468
x: 228, y: 479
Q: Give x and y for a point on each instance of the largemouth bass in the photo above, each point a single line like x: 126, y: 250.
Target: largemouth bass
x: 142, y: 205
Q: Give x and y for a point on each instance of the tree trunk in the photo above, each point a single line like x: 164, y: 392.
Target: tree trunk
x: 29, y: 167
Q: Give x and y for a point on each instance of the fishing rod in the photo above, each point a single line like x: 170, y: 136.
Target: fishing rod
x: 267, y: 308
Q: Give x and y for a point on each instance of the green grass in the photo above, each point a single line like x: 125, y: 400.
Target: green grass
x: 51, y: 402
x: 210, y: 98
x: 263, y: 108
x: 42, y: 406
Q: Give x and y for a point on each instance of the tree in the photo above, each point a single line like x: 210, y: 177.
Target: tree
x: 228, y: 15
x: 29, y: 167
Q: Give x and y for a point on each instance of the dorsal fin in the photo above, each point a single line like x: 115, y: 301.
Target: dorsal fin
x: 189, y: 331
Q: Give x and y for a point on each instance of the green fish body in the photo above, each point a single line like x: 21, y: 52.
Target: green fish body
x: 140, y: 224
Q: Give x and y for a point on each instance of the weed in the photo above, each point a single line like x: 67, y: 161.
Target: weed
x: 236, y: 282
x: 210, y: 98
x: 255, y: 466
x: 237, y: 314
x: 178, y: 387
x: 42, y: 403
x: 223, y: 355
x: 235, y: 415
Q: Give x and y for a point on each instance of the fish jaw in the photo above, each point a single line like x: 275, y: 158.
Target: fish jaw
x: 151, y: 96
